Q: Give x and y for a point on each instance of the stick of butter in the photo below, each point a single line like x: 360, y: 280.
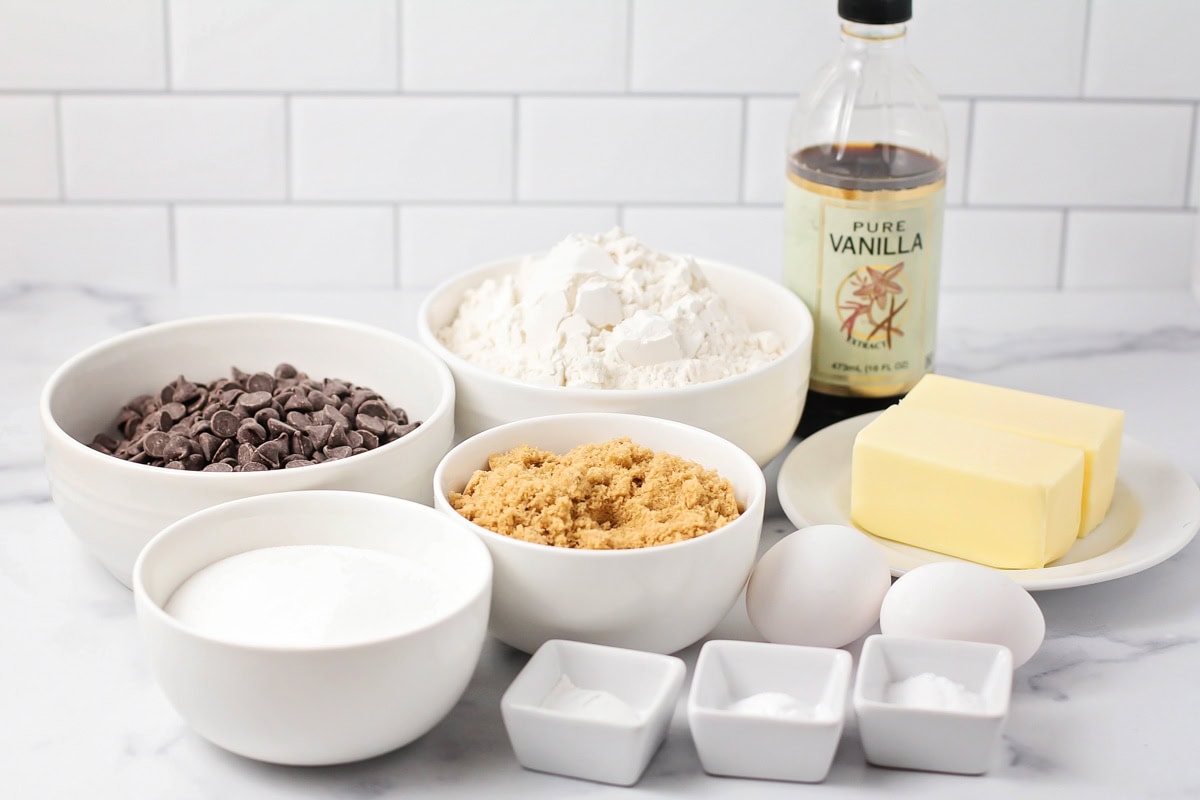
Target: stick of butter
x: 966, y: 490
x: 1093, y: 429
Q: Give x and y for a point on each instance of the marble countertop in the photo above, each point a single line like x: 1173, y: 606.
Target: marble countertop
x: 1109, y: 706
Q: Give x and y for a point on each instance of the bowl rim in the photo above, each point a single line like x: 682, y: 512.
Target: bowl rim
x: 474, y: 277
x: 52, y: 431
x: 756, y: 503
x: 143, y: 601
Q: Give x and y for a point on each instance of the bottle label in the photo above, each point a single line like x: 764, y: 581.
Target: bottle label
x: 866, y: 263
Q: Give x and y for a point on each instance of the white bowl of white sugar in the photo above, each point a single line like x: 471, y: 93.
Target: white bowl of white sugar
x: 313, y: 627
x: 604, y: 323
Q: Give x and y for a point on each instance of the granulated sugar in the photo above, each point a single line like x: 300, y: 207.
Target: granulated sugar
x: 606, y: 312
x: 307, y: 596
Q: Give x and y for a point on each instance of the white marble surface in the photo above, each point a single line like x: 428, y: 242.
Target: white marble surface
x: 1108, y: 708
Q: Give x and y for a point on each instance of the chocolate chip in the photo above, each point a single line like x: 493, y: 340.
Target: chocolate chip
x: 155, y: 443
x: 374, y: 424
x: 334, y: 416
x: 225, y: 424
x: 260, y: 382
x: 338, y: 452
x: 177, y: 449
x: 298, y: 419
x: 208, y: 445
x: 263, y: 414
x: 300, y: 462
x: 251, y: 422
x: 338, y: 437
x: 319, y: 435
x: 404, y: 430
x: 276, y: 428
x: 254, y: 401
x: 250, y: 432
x: 227, y: 450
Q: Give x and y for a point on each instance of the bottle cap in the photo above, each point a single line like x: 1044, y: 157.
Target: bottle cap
x: 875, y: 12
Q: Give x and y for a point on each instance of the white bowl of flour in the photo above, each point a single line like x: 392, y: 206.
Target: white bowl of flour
x: 603, y: 323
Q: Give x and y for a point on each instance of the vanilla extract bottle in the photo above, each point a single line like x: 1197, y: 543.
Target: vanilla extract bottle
x: 866, y: 173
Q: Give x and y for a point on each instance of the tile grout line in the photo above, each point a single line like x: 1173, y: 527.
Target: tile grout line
x: 168, y: 73
x: 493, y: 203
x: 59, y: 149
x: 967, y: 151
x: 1060, y: 283
x: 743, y: 156
x: 396, y: 247
x: 628, y: 47
x: 287, y: 148
x: 399, y: 32
x: 1188, y: 190
x: 515, y: 157
x: 580, y: 95
x: 1086, y: 49
x: 172, y: 248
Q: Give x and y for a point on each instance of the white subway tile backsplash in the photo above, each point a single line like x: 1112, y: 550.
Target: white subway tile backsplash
x: 402, y: 148
x: 173, y: 148
x: 514, y: 46
x: 1030, y: 48
x: 1129, y: 249
x: 28, y: 140
x: 1145, y: 49
x: 629, y: 149
x: 325, y: 247
x: 714, y: 46
x: 81, y: 44
x: 958, y: 130
x: 1004, y: 249
x: 299, y: 44
x: 119, y: 248
x: 766, y: 142
x: 767, y: 121
x: 746, y: 237
x: 439, y: 241
x: 1087, y: 154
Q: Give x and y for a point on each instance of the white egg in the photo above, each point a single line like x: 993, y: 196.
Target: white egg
x: 954, y: 600
x: 820, y: 586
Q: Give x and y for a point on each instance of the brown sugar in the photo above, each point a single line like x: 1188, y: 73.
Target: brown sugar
x: 612, y: 496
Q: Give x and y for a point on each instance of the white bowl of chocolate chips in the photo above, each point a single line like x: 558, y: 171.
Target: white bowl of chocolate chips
x: 152, y: 425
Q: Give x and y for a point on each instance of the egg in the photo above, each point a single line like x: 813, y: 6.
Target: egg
x: 820, y: 586
x: 955, y: 600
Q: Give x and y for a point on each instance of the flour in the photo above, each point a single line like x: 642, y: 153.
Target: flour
x: 606, y: 312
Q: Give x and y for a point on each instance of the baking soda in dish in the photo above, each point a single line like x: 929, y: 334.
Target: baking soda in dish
x: 774, y: 704
x: 606, y: 312
x: 307, y: 596
x: 931, y: 691
x: 591, y: 703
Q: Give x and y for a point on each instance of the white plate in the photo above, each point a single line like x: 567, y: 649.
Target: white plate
x: 1155, y: 511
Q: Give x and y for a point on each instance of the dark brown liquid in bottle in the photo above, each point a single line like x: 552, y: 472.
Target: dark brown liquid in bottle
x: 858, y: 168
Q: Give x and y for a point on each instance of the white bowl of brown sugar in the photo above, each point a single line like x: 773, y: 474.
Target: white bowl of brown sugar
x: 615, y: 529
x: 154, y: 424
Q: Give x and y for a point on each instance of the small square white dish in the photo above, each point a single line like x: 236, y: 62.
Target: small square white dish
x: 925, y: 736
x: 767, y: 742
x: 585, y: 745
